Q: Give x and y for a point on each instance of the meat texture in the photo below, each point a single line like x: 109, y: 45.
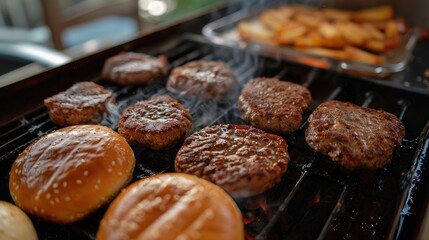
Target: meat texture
x: 82, y: 103
x: 135, y: 68
x: 274, y: 105
x: 209, y: 80
x: 354, y: 136
x: 159, y: 123
x: 241, y: 159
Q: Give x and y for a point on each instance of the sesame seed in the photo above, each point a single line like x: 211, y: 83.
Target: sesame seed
x: 109, y: 170
x: 85, y: 173
x: 120, y: 173
x: 55, y: 185
x: 64, y: 184
x: 56, y: 191
x: 51, y: 202
x: 36, y: 209
x: 96, y: 186
x: 48, y: 196
x: 57, y: 200
x: 98, y: 180
x: 67, y: 198
x: 79, y: 181
x: 42, y: 210
x: 113, y: 163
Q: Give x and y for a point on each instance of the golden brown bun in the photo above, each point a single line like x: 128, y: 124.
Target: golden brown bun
x: 172, y: 206
x: 14, y: 224
x: 69, y: 173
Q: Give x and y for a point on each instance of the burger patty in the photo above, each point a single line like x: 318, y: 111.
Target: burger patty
x: 210, y: 80
x: 159, y: 123
x: 274, y: 105
x: 354, y: 136
x: 243, y: 160
x: 82, y: 103
x: 135, y: 68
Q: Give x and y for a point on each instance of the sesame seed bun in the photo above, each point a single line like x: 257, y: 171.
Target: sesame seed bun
x: 14, y: 224
x: 172, y: 206
x: 71, y: 172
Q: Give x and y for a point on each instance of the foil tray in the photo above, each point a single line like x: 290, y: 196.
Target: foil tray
x: 223, y: 32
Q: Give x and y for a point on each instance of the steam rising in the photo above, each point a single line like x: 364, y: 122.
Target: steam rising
x: 204, y: 113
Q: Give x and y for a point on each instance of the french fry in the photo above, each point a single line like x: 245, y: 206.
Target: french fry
x: 373, y: 31
x: 336, y: 14
x: 359, y: 55
x: 381, y: 13
x: 352, y: 32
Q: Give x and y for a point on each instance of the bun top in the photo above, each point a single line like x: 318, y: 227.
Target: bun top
x: 172, y: 206
x: 14, y: 224
x: 71, y: 172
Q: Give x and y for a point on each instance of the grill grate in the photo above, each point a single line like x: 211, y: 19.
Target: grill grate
x: 315, y: 199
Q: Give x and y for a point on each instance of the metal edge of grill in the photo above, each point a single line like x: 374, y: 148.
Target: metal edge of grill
x: 311, y: 178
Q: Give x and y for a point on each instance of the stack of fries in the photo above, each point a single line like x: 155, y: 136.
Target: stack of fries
x: 362, y: 35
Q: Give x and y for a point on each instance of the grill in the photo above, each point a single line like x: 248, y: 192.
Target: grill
x: 316, y: 199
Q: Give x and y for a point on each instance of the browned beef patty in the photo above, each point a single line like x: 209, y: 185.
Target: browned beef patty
x: 159, y: 123
x: 274, y: 105
x: 135, y: 68
x: 354, y: 136
x: 210, y: 80
x: 82, y: 103
x: 241, y: 159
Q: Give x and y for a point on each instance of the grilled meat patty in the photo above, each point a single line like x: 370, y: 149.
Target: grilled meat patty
x: 135, y: 68
x: 82, y: 103
x: 241, y: 159
x: 354, y: 136
x: 210, y: 80
x: 159, y: 123
x: 274, y: 105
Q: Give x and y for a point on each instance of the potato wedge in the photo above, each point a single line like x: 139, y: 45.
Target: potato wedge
x: 352, y: 32
x: 324, y: 52
x: 376, y: 46
x: 275, y: 18
x: 290, y: 32
x: 392, y: 30
x: 359, y: 55
x: 255, y: 32
x: 336, y: 14
x: 373, y: 31
x: 381, y: 13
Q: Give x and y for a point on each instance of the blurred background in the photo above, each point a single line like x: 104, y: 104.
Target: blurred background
x: 38, y: 34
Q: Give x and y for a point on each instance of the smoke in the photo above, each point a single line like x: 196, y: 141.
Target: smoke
x: 203, y: 112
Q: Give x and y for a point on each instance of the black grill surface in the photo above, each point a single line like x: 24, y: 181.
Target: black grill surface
x: 316, y: 198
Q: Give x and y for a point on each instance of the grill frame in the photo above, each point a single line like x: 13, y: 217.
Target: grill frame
x: 417, y: 143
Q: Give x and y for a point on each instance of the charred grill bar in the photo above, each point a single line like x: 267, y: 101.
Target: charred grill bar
x: 315, y: 199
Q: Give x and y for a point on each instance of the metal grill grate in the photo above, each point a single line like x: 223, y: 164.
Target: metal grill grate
x: 315, y: 199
